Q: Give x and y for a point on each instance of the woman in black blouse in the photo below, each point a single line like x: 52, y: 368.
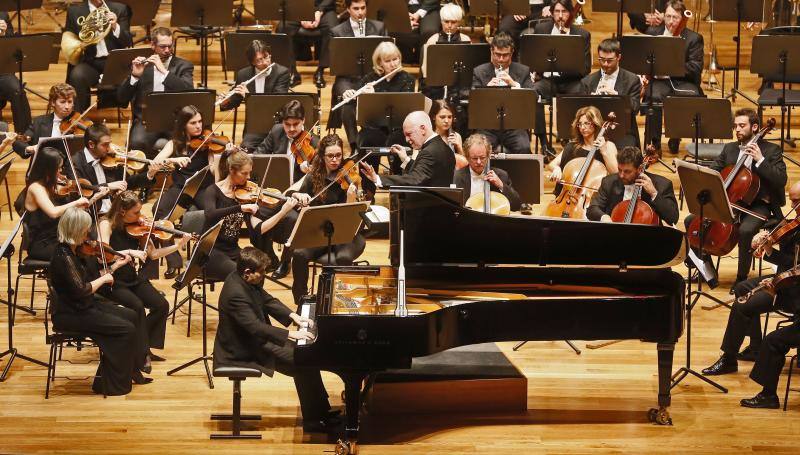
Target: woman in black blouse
x: 131, y: 288
x: 219, y: 203
x: 75, y: 308
x: 324, y: 169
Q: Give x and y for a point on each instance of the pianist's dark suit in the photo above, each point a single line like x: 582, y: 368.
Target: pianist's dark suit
x: 612, y: 191
x: 462, y: 179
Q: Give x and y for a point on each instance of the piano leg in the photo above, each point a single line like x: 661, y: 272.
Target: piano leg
x: 661, y: 416
x: 352, y: 399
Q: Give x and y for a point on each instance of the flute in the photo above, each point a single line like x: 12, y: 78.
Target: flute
x: 232, y: 92
x: 361, y: 90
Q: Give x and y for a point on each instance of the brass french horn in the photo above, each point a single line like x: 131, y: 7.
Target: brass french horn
x: 94, y: 28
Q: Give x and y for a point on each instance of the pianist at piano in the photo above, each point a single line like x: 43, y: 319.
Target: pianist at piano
x: 246, y: 338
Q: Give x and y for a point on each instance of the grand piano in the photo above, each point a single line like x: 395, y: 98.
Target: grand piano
x: 470, y: 278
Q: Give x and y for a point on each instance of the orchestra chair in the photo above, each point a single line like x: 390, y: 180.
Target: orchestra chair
x: 792, y: 363
x: 237, y: 375
x: 28, y: 268
x: 58, y: 339
x: 3, y: 177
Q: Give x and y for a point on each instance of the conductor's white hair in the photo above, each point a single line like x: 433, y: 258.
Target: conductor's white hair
x: 418, y: 118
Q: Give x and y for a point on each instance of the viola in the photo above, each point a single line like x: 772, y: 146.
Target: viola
x: 162, y: 229
x: 249, y: 194
x: 581, y: 179
x: 635, y: 210
x: 74, y: 123
x: 742, y: 186
x: 95, y: 248
x: 210, y: 141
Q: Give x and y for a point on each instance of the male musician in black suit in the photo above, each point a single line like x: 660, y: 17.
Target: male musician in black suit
x: 246, y: 338
x: 281, y: 136
x: 502, y: 72
x: 424, y: 17
x: 61, y: 102
x: 161, y: 72
x: 615, y: 81
x: 274, y: 80
x: 434, y: 164
x: 11, y: 90
x: 515, y: 24
x: 642, y: 21
x: 97, y: 145
x: 687, y: 85
x: 745, y: 317
x: 324, y: 20
x: 472, y: 178
x: 769, y: 364
x: 657, y: 191
x: 356, y: 26
x: 86, y: 74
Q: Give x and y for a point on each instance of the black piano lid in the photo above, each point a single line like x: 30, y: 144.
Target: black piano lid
x: 439, y: 231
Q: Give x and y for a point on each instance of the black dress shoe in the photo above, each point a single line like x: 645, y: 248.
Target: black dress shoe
x: 724, y: 365
x: 283, y: 269
x: 147, y: 367
x: 328, y: 425
x: 319, y: 78
x: 171, y: 273
x: 747, y: 355
x: 762, y: 400
x: 156, y: 358
x: 674, y: 145
x: 296, y: 79
x: 140, y: 379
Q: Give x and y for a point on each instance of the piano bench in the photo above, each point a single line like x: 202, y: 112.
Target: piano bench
x: 237, y: 375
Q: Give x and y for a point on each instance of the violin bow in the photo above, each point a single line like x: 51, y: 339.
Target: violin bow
x: 80, y: 117
x: 338, y: 176
x: 263, y: 179
x: 127, y: 149
x: 209, y: 136
x: 155, y: 210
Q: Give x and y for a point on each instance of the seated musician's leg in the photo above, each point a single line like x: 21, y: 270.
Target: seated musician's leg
x: 300, y: 262
x: 660, y: 90
x: 348, y: 114
x: 251, y: 140
x: 769, y: 364
x: 747, y: 230
x: 347, y: 253
x: 11, y: 90
x: 681, y: 88
x: 174, y: 260
x: 83, y: 77
x: 326, y: 23
x: 491, y: 136
x: 143, y: 140
x: 311, y: 391
x: 516, y: 141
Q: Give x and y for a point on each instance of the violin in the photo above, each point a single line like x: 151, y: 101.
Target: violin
x: 269, y: 197
x: 349, y: 175
x: 776, y: 235
x: 95, y: 248
x: 210, y: 141
x: 581, y: 179
x: 742, y: 186
x: 635, y: 210
x: 20, y: 137
x: 774, y: 284
x: 301, y: 146
x: 162, y: 229
x: 74, y: 123
x: 65, y: 187
x: 136, y: 160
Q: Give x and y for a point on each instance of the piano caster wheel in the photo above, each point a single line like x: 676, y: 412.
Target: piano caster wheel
x: 345, y: 448
x: 659, y: 416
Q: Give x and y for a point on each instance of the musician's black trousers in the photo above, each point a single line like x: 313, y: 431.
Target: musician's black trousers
x: 83, y: 77
x: 143, y: 140
x: 279, y: 233
x: 514, y: 141
x: 514, y: 27
x: 143, y: 296
x: 343, y: 254
x: 342, y: 117
x: 326, y: 23
x: 747, y: 230
x: 310, y: 390
x: 171, y: 194
x: 772, y: 356
x: 11, y: 91
x: 662, y: 88
x: 744, y: 318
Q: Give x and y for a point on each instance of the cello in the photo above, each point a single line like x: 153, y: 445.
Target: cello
x: 742, y: 185
x: 635, y: 210
x: 489, y: 201
x: 580, y: 181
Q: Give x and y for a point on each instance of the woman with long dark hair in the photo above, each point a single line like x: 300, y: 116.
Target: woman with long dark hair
x: 443, y: 119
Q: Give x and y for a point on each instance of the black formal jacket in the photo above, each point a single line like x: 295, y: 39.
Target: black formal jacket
x: 772, y: 171
x: 627, y: 84
x: 433, y: 166
x: 638, y: 21
x: 5, y: 17
x: 546, y: 27
x: 85, y: 170
x: 783, y: 258
x: 612, y: 190
x: 41, y: 126
x: 371, y: 28
x: 428, y: 5
x: 461, y: 179
x: 277, y: 142
x: 276, y: 82
x: 245, y: 335
x: 482, y: 74
x: 694, y: 53
x: 112, y: 42
x: 325, y: 5
x: 179, y: 78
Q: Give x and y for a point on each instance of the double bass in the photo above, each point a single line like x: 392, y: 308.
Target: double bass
x: 742, y: 185
x: 581, y: 179
x: 635, y: 210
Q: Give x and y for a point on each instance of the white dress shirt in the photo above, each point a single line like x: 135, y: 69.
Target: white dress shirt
x: 261, y: 80
x: 105, y: 204
x: 102, y: 50
x: 158, y: 77
x: 611, y: 79
x: 56, y: 131
x: 476, y: 183
x: 356, y: 32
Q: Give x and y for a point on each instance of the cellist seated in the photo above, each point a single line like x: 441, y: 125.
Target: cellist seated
x: 472, y: 177
x: 656, y: 190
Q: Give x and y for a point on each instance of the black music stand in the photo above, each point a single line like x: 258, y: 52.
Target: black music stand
x: 777, y: 58
x: 284, y: 10
x: 452, y: 65
x: 327, y: 225
x: 66, y: 145
x: 653, y: 56
x: 118, y: 65
x: 621, y: 6
x: 280, y: 170
x: 186, y: 198
x: 567, y: 105
x: 553, y: 53
x: 143, y: 14
x: 7, y: 252
x: 393, y: 14
x: 202, y: 15
x: 499, y: 8
x: 736, y: 11
x: 502, y: 108
x: 699, y: 118
x: 236, y: 42
x: 707, y: 199
x: 18, y: 6
x: 525, y: 172
x: 194, y: 274
x: 352, y: 57
x: 19, y: 54
x: 387, y: 109
x: 262, y: 110
x: 159, y: 108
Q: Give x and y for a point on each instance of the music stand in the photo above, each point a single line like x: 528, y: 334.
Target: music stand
x: 283, y: 10
x: 66, y: 145
x: 262, y: 110
x: 452, y: 65
x: 186, y: 198
x: 24, y: 53
x: 777, y: 58
x: 195, y: 269
x: 235, y: 43
x: 502, y: 108
x: 553, y: 53
x: 653, y: 56
x: 280, y: 170
x: 699, y: 118
x: 622, y: 6
x: 526, y: 173
x: 387, y: 109
x: 7, y: 252
x: 327, y: 225
x: 736, y: 11
x: 118, y: 65
x: 203, y: 15
x: 18, y: 6
x: 393, y: 14
x: 706, y: 198
x: 159, y: 108
x: 499, y: 8
x: 352, y: 56
x: 567, y: 105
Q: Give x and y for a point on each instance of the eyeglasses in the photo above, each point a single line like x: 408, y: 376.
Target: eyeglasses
x: 607, y: 60
x: 333, y: 156
x: 585, y: 124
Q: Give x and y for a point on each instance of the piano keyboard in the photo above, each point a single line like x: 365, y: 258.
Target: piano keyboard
x: 307, y: 311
